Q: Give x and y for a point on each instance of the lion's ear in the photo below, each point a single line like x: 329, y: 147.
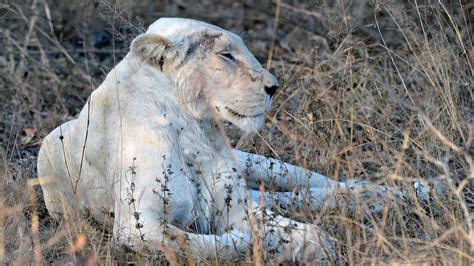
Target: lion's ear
x: 158, y: 51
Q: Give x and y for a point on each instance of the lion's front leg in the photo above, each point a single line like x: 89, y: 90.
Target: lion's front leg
x: 369, y: 196
x: 148, y: 231
x: 277, y: 175
x: 146, y: 219
x: 297, y: 187
x: 289, y: 240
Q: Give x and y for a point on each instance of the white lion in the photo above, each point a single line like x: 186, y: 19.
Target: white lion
x: 147, y: 154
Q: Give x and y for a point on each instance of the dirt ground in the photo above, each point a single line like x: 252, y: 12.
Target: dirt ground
x: 379, y: 90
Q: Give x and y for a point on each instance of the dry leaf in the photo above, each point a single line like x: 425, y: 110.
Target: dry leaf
x: 30, y: 134
x: 79, y: 244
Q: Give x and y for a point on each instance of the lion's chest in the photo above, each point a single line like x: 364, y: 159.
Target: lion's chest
x: 204, y: 151
x: 211, y: 171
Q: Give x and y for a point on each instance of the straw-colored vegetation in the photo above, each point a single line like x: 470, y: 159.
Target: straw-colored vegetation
x: 379, y: 90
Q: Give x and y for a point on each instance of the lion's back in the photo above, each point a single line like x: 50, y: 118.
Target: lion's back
x: 74, y: 165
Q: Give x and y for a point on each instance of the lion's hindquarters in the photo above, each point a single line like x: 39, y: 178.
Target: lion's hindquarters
x: 53, y: 173
x: 47, y: 177
x: 67, y: 179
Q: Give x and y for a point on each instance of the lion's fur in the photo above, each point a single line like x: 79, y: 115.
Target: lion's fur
x: 147, y: 155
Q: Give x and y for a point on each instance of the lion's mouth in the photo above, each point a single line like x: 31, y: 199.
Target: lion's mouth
x: 240, y: 115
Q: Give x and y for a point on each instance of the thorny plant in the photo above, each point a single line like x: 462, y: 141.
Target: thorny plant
x: 131, y: 197
x: 61, y: 138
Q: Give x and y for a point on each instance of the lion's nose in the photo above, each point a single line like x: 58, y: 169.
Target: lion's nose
x: 271, y: 90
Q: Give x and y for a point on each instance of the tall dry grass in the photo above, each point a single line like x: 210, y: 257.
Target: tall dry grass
x: 378, y: 90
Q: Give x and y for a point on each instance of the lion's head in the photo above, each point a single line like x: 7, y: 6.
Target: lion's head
x: 213, y: 72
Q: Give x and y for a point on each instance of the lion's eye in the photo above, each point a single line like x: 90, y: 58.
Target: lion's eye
x: 227, y: 55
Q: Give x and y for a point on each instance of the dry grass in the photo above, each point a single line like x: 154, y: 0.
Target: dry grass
x: 378, y: 90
